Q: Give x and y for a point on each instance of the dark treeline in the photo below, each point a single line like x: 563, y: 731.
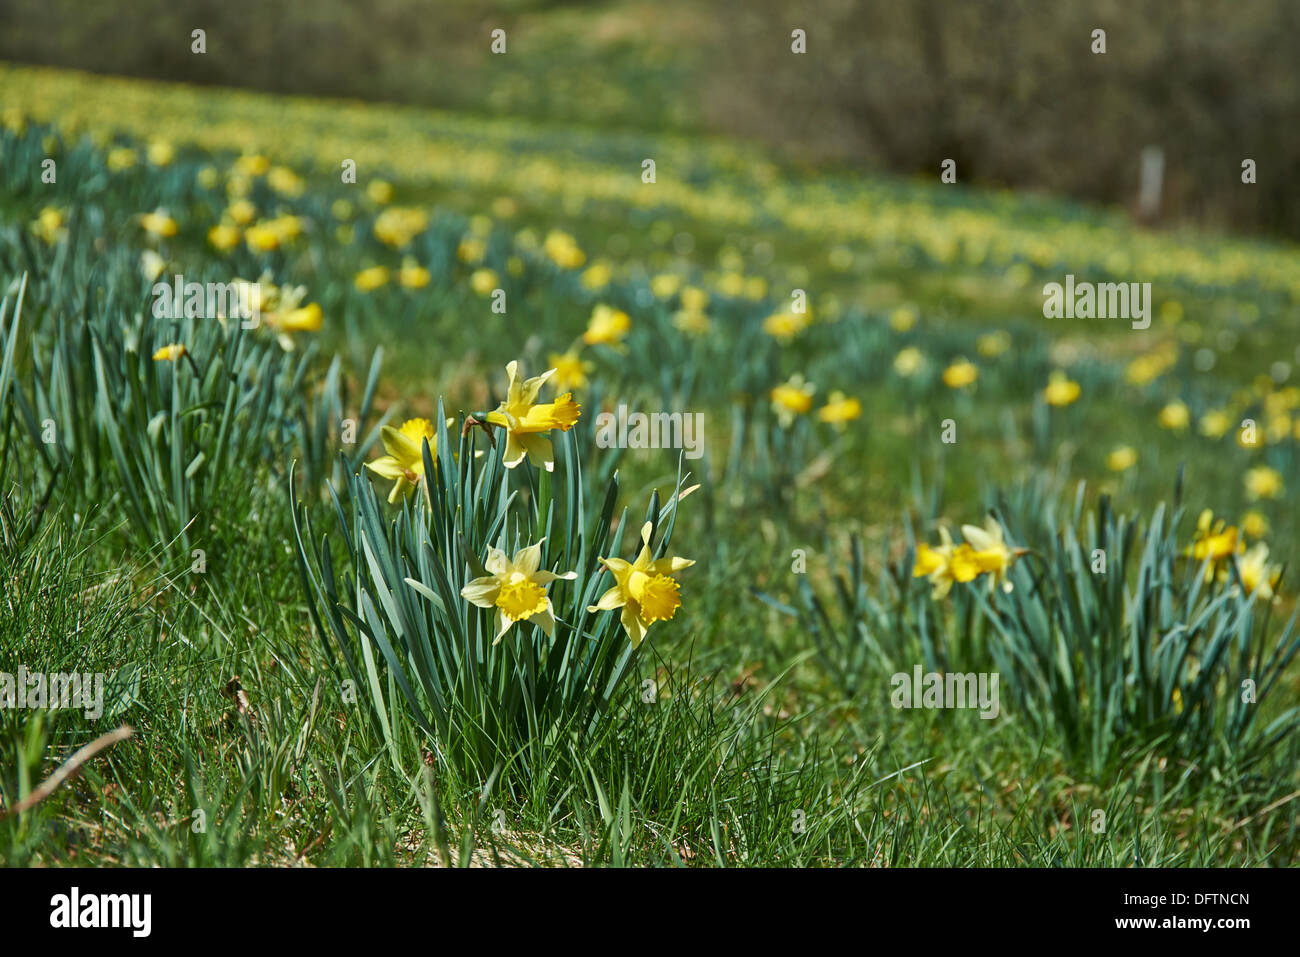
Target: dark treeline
x: 1009, y: 89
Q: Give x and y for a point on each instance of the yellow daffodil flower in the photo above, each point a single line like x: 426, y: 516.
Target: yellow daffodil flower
x: 784, y: 326
x: 1263, y: 482
x: 692, y: 323
x: 563, y: 250
x: 1215, y: 541
x: 169, y: 353
x: 396, y: 226
x: 840, y: 410
x: 908, y: 362
x: 49, y: 225
x: 1060, y: 390
x: 571, y: 370
x: 151, y: 265
x: 371, y: 279
x: 1175, y: 415
x: 607, y: 326
x: 412, y: 275
x: 483, y: 281
x: 1258, y: 576
x: 224, y: 237
x: 405, y: 459
x: 936, y: 564
x: 791, y: 399
x: 160, y: 152
x: 516, y: 588
x: 527, y: 421
x: 644, y: 589
x: 1122, y: 458
x: 990, y: 553
x: 158, y: 224
x: 960, y: 374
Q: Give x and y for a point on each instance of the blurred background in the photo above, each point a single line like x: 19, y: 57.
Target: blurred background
x: 1009, y: 89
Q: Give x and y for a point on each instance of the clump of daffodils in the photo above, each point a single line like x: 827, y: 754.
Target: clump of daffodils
x: 983, y: 552
x: 527, y: 422
x: 645, y: 589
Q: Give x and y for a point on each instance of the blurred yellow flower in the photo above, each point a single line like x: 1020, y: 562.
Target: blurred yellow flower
x: 371, y: 278
x: 412, y: 275
x: 902, y: 319
x: 607, y: 326
x: 241, y: 212
x: 1060, y: 390
x: 792, y: 398
x: 961, y: 373
x: 396, y: 226
x: 120, y: 158
x: 158, y: 224
x: 471, y: 250
x: 665, y: 285
x: 993, y: 344
x: 784, y: 326
x: 1259, y: 577
x: 1122, y: 458
x: 285, y: 181
x: 597, y: 276
x: 563, y: 250
x: 224, y: 237
x: 1215, y: 424
x: 1254, y: 524
x: 380, y: 191
x: 1263, y: 482
x: 571, y: 370
x: 1175, y: 415
x: 49, y: 225
x: 160, y: 152
x: 1214, y: 541
x: 694, y: 299
x: 252, y: 165
x: 908, y: 362
x: 169, y: 353
x: 151, y: 265
x: 483, y: 281
x: 840, y: 410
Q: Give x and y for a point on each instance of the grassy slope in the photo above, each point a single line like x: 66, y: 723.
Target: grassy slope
x: 740, y: 762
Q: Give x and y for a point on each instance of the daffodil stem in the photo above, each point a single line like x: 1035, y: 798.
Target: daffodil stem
x: 543, y: 501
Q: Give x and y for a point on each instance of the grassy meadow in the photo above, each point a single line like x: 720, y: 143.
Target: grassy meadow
x: 369, y: 593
